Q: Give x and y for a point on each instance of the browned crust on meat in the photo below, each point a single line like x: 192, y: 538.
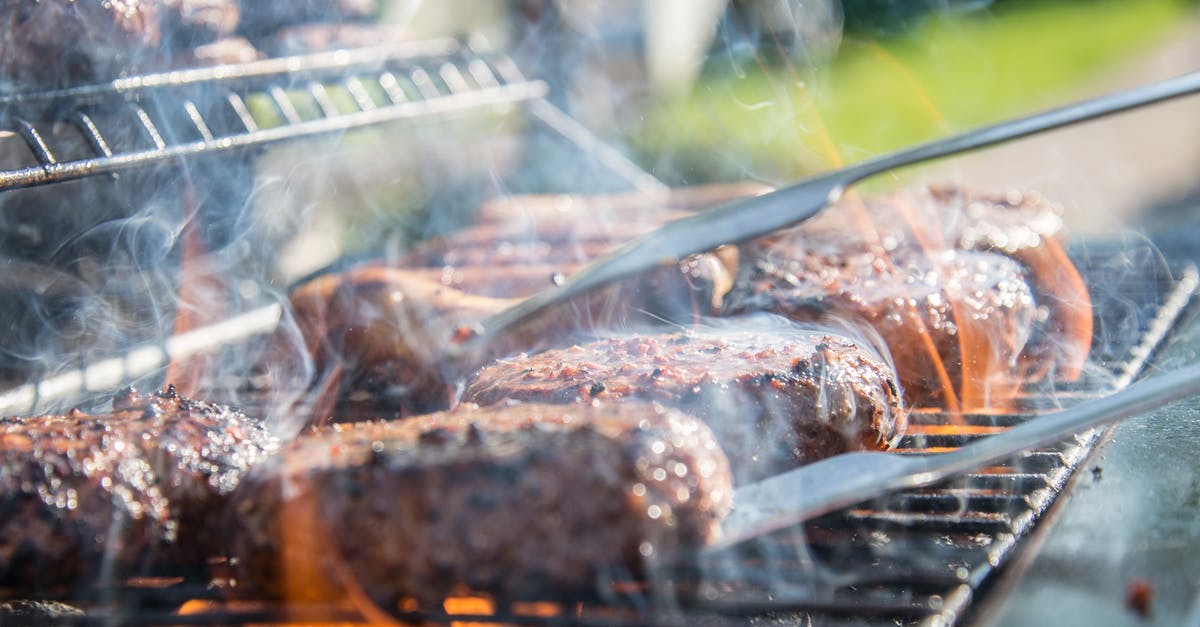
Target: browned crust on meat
x: 1022, y: 225
x: 507, y: 499
x: 853, y: 258
x: 775, y: 396
x: 929, y: 309
x: 84, y: 497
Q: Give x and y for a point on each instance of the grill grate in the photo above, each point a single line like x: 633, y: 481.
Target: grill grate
x: 909, y: 558
x: 916, y: 557
x: 212, y: 111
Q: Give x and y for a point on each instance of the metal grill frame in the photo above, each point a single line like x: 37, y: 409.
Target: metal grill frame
x: 410, y: 81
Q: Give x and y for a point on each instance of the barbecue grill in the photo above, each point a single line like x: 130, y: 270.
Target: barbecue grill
x: 919, y: 557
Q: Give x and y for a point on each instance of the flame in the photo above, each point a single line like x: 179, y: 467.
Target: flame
x: 472, y: 605
x: 540, y: 609
x: 833, y: 157
x: 914, y: 85
x: 311, y: 568
x: 200, y: 300
x: 954, y: 429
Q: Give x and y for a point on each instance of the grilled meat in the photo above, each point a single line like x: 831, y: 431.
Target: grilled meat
x: 375, y: 332
x: 511, y: 499
x: 379, y: 332
x: 85, y: 498
x: 940, y: 273
x: 930, y: 310
x: 776, y: 396
x: 565, y: 231
x: 1025, y: 227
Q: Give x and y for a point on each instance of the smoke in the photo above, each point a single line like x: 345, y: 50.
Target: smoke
x: 804, y: 33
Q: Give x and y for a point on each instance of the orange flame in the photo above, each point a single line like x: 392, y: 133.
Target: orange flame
x: 834, y: 158
x: 200, y: 300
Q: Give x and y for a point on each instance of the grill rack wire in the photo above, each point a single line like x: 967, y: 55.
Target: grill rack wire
x: 916, y: 557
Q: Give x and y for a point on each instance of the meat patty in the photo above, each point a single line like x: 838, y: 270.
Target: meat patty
x: 566, y: 231
x: 1021, y: 225
x: 1026, y: 227
x: 510, y: 499
x: 84, y: 498
x: 776, y: 396
x: 931, y: 309
x: 940, y: 273
x: 378, y: 332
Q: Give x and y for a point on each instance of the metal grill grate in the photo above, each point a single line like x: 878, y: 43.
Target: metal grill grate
x: 916, y: 557
x: 152, y: 119
x: 911, y: 558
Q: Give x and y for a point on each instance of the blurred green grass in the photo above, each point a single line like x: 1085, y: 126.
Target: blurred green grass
x: 767, y: 120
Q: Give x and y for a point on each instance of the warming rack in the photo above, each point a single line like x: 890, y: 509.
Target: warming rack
x: 192, y: 113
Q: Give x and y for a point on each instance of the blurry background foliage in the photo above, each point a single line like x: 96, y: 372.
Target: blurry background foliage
x: 767, y: 106
x: 785, y: 88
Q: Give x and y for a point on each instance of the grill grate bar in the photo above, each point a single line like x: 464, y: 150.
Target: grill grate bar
x: 87, y: 126
x: 33, y: 138
x: 284, y: 104
x: 148, y: 125
x: 437, y: 73
x: 359, y: 92
x: 197, y: 119
x: 325, y: 101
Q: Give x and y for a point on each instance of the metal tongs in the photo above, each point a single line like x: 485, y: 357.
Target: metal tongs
x: 754, y: 217
x: 843, y: 480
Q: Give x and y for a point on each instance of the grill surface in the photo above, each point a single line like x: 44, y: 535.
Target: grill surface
x: 910, y: 558
x: 216, y: 110
x: 917, y: 557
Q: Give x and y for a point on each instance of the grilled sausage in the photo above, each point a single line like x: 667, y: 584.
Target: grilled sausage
x: 930, y: 310
x: 88, y: 497
x: 380, y: 329
x: 776, y: 396
x: 509, y: 499
x: 941, y: 273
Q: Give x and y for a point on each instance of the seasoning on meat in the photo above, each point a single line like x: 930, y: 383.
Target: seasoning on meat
x: 971, y: 291
x: 929, y: 308
x: 376, y: 332
x: 85, y: 497
x: 776, y: 396
x: 510, y: 499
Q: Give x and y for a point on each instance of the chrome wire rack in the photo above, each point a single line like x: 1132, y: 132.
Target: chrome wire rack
x: 208, y: 111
